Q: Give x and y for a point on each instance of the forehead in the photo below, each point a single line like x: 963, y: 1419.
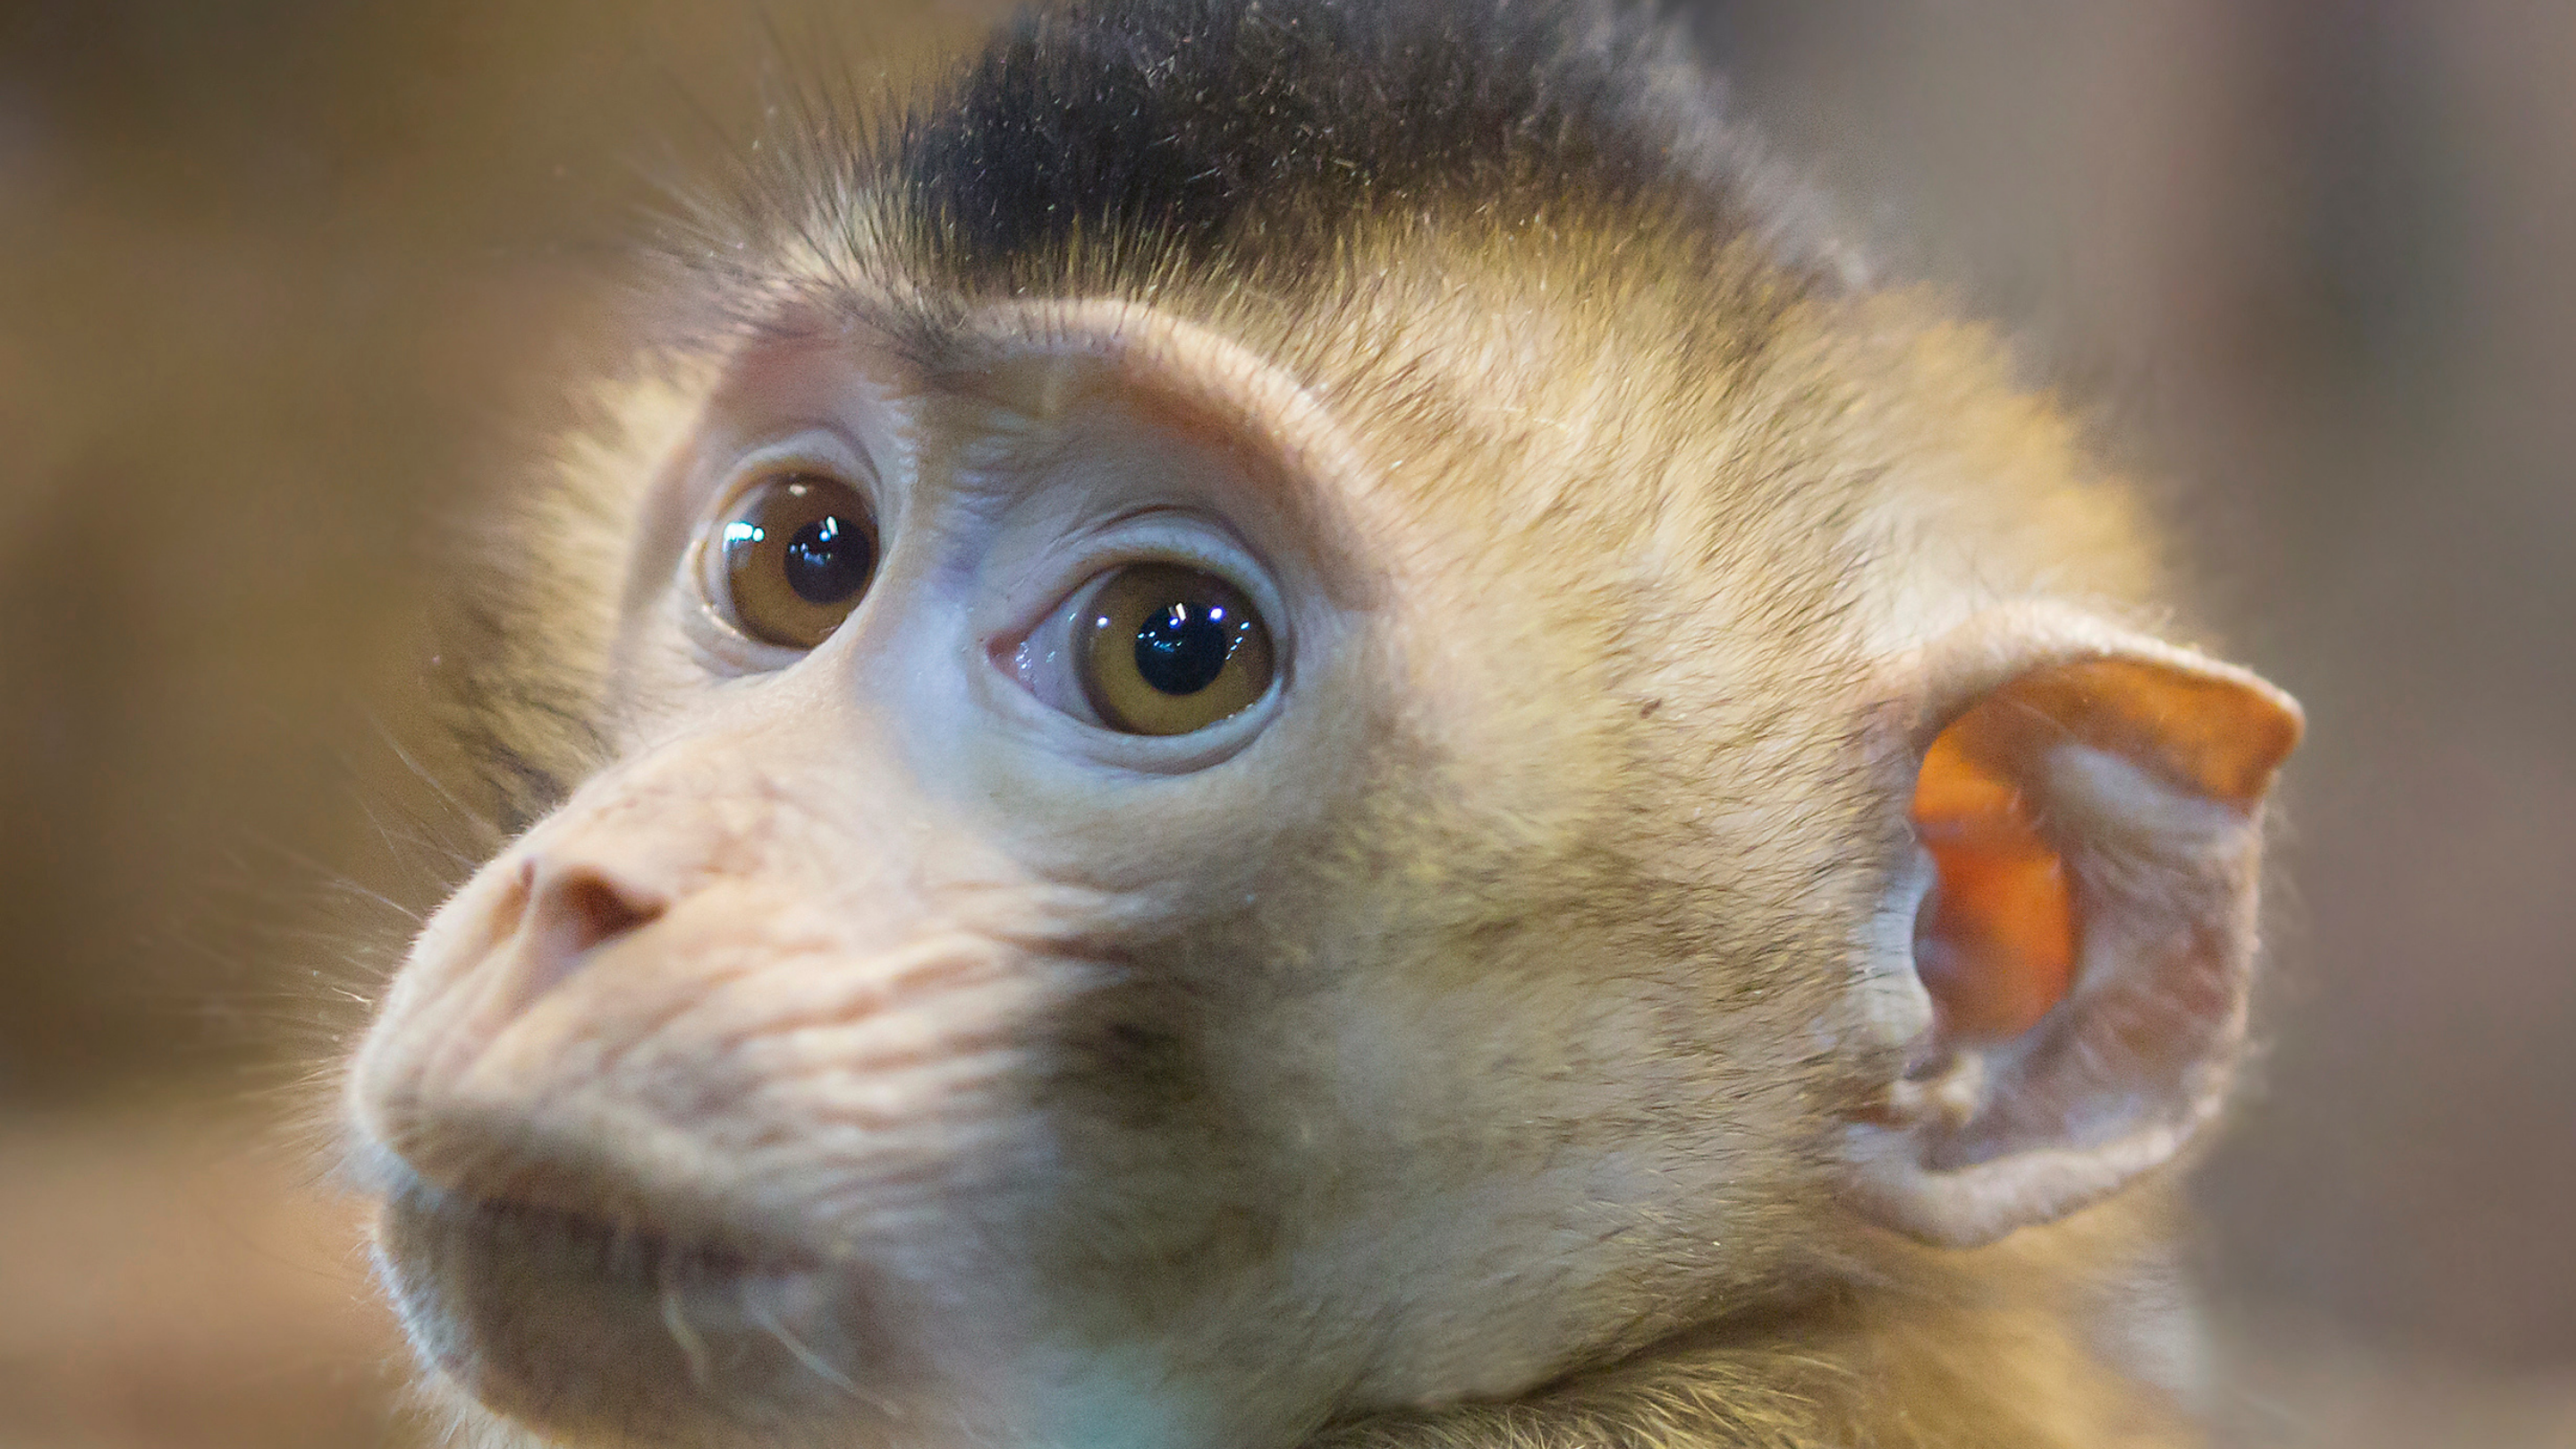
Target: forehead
x: 993, y: 400
x: 1552, y: 402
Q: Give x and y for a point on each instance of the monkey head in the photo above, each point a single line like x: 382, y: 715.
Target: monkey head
x: 1190, y: 848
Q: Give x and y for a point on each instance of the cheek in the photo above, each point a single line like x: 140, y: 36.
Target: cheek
x: 1202, y: 844
x: 1515, y: 1171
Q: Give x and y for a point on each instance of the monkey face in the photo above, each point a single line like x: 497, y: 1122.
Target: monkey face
x: 1118, y: 917
x: 993, y: 995
x: 1114, y: 919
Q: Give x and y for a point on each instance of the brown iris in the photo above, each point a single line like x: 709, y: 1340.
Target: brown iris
x: 798, y: 554
x: 1164, y: 650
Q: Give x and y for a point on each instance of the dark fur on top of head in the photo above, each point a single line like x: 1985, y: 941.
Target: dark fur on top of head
x: 1257, y: 132
x: 1115, y: 146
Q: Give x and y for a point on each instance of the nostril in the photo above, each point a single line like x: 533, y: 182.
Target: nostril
x: 574, y: 911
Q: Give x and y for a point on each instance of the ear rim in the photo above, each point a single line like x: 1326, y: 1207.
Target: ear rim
x: 1945, y: 678
x: 1889, y: 1149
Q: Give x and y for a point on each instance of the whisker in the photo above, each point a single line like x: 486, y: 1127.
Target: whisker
x: 813, y: 1362
x: 675, y: 1318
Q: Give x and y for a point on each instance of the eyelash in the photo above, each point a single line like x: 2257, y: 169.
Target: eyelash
x: 1151, y: 535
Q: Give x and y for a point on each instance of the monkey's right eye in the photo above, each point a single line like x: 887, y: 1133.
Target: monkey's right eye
x: 792, y: 559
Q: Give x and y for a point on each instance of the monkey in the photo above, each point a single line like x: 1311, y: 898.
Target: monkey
x: 1271, y: 723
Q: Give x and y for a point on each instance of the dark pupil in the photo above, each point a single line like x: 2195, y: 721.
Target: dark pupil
x: 1183, y: 649
x: 827, y: 561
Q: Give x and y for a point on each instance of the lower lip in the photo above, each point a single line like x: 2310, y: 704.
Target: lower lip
x: 571, y: 1323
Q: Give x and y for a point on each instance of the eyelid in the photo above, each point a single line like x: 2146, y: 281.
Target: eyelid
x: 814, y: 450
x: 1155, y: 535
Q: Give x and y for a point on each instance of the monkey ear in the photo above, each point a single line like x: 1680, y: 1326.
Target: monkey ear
x: 2088, y: 803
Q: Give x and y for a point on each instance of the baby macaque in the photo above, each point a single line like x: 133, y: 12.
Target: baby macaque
x: 1284, y: 723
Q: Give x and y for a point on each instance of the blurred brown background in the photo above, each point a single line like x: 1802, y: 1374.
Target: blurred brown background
x: 281, y: 282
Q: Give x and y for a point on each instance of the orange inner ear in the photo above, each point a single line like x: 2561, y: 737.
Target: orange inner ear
x: 1996, y: 946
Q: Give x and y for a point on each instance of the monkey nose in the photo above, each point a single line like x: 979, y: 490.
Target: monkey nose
x: 569, y: 909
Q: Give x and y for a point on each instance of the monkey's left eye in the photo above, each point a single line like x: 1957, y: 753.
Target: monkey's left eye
x: 792, y: 558
x: 1151, y: 648
x: 1164, y: 650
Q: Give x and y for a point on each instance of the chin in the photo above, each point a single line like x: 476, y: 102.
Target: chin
x: 592, y: 1332
x: 557, y: 1328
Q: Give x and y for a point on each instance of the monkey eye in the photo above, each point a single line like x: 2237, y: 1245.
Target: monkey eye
x: 1161, y: 649
x: 791, y: 559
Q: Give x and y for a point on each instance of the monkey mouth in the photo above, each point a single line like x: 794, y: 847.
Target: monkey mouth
x: 570, y: 1320
x: 623, y: 1252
